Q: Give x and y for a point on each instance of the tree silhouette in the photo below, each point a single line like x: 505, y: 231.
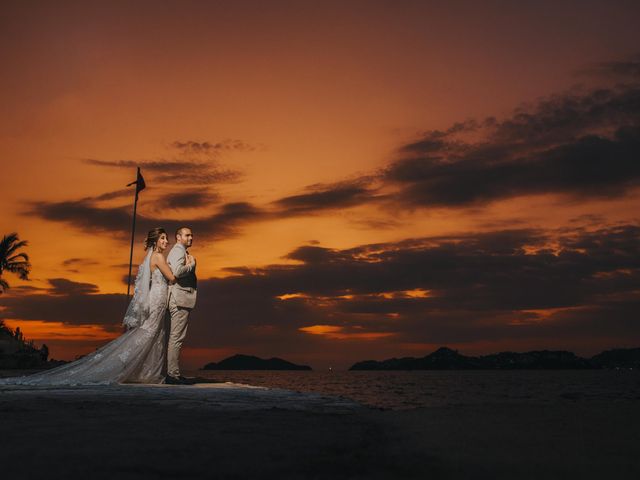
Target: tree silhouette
x: 4, y: 328
x: 12, y: 261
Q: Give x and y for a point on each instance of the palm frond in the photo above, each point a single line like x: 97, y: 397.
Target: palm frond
x: 15, y: 246
x: 24, y: 256
x: 22, y: 269
x: 7, y: 241
x: 3, y: 285
x: 15, y: 266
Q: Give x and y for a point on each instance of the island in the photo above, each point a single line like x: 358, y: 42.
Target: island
x: 250, y: 362
x: 447, y: 359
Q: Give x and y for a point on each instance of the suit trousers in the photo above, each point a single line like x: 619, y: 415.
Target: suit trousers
x: 177, y: 334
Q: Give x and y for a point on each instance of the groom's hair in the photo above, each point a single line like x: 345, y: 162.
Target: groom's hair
x: 179, y: 230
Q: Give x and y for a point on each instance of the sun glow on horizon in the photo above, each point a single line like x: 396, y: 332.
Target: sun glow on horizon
x: 338, y: 333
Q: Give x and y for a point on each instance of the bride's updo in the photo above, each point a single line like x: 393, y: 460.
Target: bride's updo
x: 152, y: 238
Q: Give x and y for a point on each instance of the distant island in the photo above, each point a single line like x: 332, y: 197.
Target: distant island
x: 447, y: 359
x: 249, y: 362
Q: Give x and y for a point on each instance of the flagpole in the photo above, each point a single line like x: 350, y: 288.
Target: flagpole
x: 133, y: 231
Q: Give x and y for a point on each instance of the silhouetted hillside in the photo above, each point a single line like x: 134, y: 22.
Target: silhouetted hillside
x: 538, y: 360
x: 618, y: 358
x: 446, y: 359
x: 249, y: 362
x: 18, y: 353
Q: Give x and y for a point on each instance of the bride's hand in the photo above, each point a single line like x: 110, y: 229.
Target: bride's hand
x: 190, y: 259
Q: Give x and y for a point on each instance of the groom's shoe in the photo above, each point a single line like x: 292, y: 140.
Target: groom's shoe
x: 169, y: 380
x: 186, y: 381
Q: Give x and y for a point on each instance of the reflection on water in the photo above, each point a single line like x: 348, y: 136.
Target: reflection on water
x: 403, y: 389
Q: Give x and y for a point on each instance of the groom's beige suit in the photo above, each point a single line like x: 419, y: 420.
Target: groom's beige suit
x: 182, y: 298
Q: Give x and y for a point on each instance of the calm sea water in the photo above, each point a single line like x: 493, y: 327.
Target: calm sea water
x: 405, y: 390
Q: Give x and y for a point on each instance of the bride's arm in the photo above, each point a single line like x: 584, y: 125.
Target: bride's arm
x: 180, y: 266
x: 164, y: 268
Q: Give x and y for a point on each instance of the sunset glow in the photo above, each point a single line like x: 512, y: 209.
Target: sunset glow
x: 363, y: 179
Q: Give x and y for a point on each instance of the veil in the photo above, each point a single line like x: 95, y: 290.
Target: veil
x: 138, y: 308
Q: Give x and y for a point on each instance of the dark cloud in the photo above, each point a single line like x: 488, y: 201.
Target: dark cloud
x: 20, y: 290
x: 187, y: 199
x: 194, y: 163
x: 509, y: 285
x: 584, y: 144
x: 74, y: 309
x: 185, y: 172
x: 580, y: 143
x: 195, y: 174
x: 116, y: 221
x: 312, y: 254
x: 72, y: 262
x: 73, y: 265
x: 170, y: 166
x: 469, y: 288
x: 323, y: 197
x: 125, y: 192
x: 617, y: 69
x: 68, y: 302
x: 85, y: 215
x: 225, y: 223
x: 228, y: 145
x: 63, y: 286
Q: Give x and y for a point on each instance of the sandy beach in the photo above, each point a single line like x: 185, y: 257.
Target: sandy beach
x: 236, y: 431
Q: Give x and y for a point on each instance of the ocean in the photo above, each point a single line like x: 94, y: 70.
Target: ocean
x: 399, y: 390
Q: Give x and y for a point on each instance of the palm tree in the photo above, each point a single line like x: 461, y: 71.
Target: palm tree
x: 11, y: 261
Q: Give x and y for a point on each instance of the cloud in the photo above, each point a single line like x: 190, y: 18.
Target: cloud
x: 576, y: 144
x: 184, y: 172
x: 213, y: 148
x: 186, y: 199
x: 63, y: 286
x: 116, y: 221
x: 225, y: 222
x: 328, y: 196
x: 73, y: 264
x: 514, y: 285
x: 313, y: 254
x: 69, y: 262
x: 68, y: 302
x: 583, y: 144
x: 619, y: 69
x: 191, y: 163
x: 84, y: 214
x: 503, y: 284
x: 125, y: 192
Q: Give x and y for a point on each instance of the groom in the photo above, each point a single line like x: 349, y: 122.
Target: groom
x: 182, y: 299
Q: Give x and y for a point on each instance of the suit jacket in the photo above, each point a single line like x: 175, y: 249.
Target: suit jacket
x: 185, y: 290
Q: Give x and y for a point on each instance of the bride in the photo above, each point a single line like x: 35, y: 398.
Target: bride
x: 138, y: 355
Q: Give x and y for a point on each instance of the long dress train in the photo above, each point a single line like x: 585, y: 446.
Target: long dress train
x: 137, y: 355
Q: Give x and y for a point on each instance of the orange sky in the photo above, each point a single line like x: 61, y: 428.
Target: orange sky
x: 279, y: 99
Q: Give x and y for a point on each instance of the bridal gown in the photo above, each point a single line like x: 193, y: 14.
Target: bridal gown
x: 137, y: 356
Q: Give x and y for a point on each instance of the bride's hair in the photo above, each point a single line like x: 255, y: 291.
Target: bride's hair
x: 152, y: 237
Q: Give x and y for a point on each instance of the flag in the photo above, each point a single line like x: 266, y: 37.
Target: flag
x: 139, y: 183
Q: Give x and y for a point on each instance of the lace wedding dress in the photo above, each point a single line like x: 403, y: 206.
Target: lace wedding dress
x: 136, y: 356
